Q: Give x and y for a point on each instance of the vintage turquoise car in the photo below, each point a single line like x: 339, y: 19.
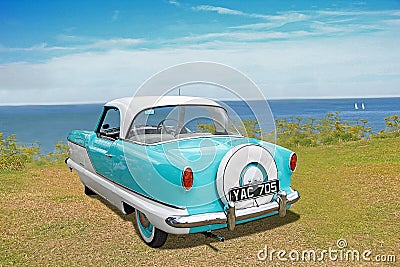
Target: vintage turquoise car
x: 179, y: 163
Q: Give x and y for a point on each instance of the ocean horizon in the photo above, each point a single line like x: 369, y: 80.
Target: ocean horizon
x: 224, y: 100
x: 49, y: 124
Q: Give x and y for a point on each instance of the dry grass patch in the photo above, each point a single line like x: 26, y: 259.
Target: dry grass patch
x: 348, y: 191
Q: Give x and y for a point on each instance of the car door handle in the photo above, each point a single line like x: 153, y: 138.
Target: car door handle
x: 108, y: 155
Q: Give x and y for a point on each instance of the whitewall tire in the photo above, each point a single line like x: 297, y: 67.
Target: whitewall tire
x: 152, y: 236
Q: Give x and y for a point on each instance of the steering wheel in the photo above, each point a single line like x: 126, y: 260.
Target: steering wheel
x: 165, y: 130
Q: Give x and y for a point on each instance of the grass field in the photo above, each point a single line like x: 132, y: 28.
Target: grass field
x: 348, y: 191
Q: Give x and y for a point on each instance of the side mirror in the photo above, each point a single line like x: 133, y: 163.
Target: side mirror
x: 105, y: 126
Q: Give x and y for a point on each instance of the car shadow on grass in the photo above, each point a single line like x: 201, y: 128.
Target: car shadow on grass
x: 125, y: 217
x: 194, y: 240
x: 241, y: 230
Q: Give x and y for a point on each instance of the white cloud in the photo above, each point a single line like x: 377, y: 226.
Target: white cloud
x: 242, y: 37
x: 322, y: 67
x: 84, y: 44
x: 255, y: 26
x: 37, y: 47
x: 259, y: 32
x: 394, y: 22
x: 274, y: 21
x: 358, y: 13
x: 228, y: 11
x: 115, y: 15
x: 174, y: 3
x: 219, y: 10
x: 115, y: 43
x: 293, y: 65
x: 70, y: 38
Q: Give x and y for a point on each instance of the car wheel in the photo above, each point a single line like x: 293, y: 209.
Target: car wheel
x: 152, y: 236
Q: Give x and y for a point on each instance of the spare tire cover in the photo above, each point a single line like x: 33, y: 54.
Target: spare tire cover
x: 244, y: 165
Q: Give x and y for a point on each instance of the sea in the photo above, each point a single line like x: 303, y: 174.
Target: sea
x: 48, y: 124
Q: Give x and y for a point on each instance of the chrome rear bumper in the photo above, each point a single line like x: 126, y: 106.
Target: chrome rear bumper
x: 231, y: 215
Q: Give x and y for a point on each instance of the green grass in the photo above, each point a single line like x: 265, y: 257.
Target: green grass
x: 349, y: 191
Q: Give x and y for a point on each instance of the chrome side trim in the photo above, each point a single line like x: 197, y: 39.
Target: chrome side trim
x: 280, y: 205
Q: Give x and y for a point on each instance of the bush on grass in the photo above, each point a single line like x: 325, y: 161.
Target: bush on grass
x: 292, y: 132
x: 14, y: 156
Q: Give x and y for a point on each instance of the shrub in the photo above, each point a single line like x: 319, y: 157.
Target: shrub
x: 392, y: 127
x: 12, y: 156
x: 331, y: 129
x: 249, y: 128
x: 61, y: 152
x: 206, y: 128
x: 292, y: 132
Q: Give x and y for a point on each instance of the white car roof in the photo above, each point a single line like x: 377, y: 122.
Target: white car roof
x: 129, y: 107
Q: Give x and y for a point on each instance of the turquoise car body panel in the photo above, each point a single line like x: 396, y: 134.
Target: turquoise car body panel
x: 79, y: 137
x: 155, y: 170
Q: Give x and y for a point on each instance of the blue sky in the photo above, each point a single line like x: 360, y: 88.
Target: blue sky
x: 87, y: 51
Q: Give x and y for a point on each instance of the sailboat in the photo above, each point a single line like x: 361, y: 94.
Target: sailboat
x: 355, y: 106
x: 362, y: 106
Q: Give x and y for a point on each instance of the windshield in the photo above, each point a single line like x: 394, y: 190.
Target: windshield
x: 176, y: 122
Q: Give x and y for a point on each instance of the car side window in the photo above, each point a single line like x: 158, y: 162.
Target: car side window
x: 110, y: 124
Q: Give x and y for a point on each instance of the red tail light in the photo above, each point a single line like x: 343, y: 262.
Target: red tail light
x: 187, y: 178
x: 293, y: 162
